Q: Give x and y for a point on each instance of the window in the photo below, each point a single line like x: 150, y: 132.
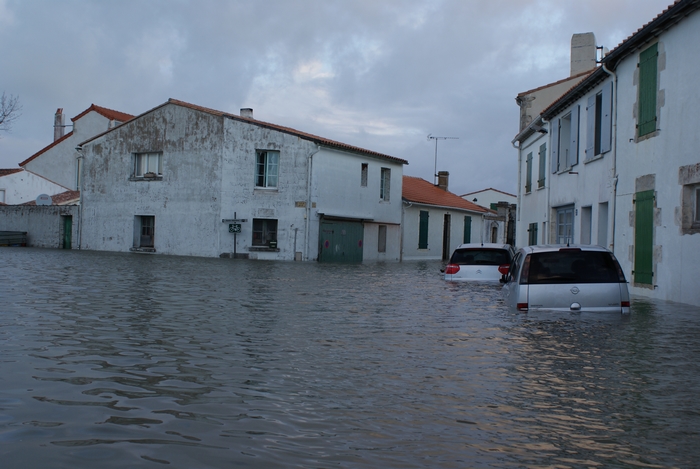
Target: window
x: 565, y: 137
x: 264, y: 232
x: 363, y: 174
x: 565, y: 225
x: 528, y: 173
x: 145, y: 230
x: 646, y: 111
x: 267, y: 168
x: 381, y: 242
x: 423, y: 230
x: 467, y: 229
x: 599, y: 122
x: 689, y: 177
x: 532, y: 234
x: 2, y: 195
x: 385, y: 184
x: 148, y: 164
x: 696, y: 219
x: 542, y: 166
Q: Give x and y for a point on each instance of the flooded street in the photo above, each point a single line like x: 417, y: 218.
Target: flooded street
x: 115, y: 360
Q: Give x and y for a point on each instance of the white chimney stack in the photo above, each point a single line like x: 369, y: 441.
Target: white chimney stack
x: 58, y: 124
x: 247, y: 112
x: 583, y: 53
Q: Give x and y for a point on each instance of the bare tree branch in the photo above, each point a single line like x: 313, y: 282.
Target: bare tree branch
x: 9, y: 111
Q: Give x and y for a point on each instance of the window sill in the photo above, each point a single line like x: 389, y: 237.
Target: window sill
x: 266, y: 189
x: 594, y: 158
x: 140, y: 249
x: 262, y: 249
x: 141, y: 178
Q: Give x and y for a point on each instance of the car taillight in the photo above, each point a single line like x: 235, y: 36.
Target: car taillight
x: 625, y: 304
x: 504, y: 268
x: 451, y: 269
x: 522, y: 307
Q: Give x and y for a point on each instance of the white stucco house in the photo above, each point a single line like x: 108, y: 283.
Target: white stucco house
x: 436, y: 221
x: 182, y: 179
x: 58, y: 161
x: 501, y: 223
x: 18, y: 186
x: 614, y: 161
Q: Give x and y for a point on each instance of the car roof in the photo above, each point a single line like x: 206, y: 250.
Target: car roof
x: 559, y: 247
x: 484, y: 245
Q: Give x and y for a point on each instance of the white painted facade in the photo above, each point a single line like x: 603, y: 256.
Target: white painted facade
x: 59, y: 160
x: 603, y: 191
x: 209, y: 175
x: 23, y: 186
x: 487, y: 197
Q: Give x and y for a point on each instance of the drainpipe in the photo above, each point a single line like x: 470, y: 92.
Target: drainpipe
x: 614, y: 152
x: 548, y: 182
x: 79, y: 149
x: 308, y: 202
x: 404, y: 206
x: 520, y: 175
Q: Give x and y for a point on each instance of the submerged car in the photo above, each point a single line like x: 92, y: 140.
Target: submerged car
x: 566, y: 278
x: 480, y: 262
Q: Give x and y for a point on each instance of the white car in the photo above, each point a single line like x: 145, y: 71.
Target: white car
x: 566, y: 278
x: 479, y: 262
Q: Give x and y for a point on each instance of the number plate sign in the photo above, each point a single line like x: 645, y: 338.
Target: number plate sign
x: 234, y: 228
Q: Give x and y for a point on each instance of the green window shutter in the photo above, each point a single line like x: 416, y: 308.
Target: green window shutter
x: 648, y: 68
x: 643, y: 237
x: 423, y: 230
x: 528, y: 177
x: 532, y: 234
x: 467, y: 229
x: 543, y: 165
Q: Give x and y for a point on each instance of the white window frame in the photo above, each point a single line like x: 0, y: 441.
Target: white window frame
x: 267, y: 169
x: 563, y: 234
x: 385, y: 185
x: 148, y: 163
x: 264, y: 232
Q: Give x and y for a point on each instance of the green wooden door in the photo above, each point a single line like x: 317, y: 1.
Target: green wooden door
x: 643, y: 237
x: 341, y: 241
x: 67, y: 232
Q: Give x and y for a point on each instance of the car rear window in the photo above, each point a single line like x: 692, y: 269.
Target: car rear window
x: 480, y: 256
x: 573, y: 267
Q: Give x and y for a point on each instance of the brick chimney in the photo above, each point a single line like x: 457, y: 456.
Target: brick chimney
x: 583, y: 53
x: 247, y: 112
x: 443, y: 180
x: 58, y: 124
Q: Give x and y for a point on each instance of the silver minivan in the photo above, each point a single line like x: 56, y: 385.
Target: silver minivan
x: 566, y: 278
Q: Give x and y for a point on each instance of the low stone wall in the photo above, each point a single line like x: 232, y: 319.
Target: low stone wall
x: 44, y: 224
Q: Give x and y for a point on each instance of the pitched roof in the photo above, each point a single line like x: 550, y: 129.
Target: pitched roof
x: 7, y: 172
x: 64, y: 198
x: 668, y: 18
x: 488, y: 189
x: 423, y: 192
x: 108, y: 113
x: 579, y: 76
x: 103, y: 111
x: 306, y: 136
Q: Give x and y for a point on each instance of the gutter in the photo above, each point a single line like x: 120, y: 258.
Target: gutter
x: 614, y: 153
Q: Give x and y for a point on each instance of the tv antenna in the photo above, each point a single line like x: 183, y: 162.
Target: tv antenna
x: 432, y: 137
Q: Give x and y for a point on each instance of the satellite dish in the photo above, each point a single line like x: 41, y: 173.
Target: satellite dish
x: 44, y: 199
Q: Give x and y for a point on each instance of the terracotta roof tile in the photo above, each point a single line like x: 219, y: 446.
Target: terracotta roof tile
x: 108, y: 113
x: 421, y: 191
x: 64, y: 198
x: 7, y: 172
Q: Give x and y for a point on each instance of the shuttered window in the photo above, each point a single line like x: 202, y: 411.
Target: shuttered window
x: 423, y: 230
x: 643, y: 237
x: 532, y: 234
x: 528, y: 176
x: 648, y: 68
x: 467, y: 229
x: 543, y: 166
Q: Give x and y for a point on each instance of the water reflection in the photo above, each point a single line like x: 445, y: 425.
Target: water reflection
x: 131, y: 361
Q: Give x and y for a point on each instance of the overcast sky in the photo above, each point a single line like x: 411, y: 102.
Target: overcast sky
x: 378, y: 74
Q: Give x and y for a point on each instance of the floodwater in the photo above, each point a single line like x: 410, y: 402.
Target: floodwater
x: 123, y: 360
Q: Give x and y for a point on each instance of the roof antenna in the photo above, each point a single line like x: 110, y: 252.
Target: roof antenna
x: 432, y: 137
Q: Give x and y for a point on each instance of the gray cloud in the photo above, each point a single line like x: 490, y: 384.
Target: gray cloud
x: 380, y: 75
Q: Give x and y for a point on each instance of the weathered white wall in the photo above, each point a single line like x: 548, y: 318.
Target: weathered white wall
x: 43, y: 224
x: 532, y: 207
x: 676, y: 263
x: 23, y: 186
x: 436, y: 219
x: 489, y: 196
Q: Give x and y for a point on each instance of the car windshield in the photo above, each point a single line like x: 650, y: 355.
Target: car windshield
x: 573, y: 267
x: 480, y: 256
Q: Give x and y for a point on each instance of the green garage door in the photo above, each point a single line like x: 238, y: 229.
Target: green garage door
x: 341, y: 241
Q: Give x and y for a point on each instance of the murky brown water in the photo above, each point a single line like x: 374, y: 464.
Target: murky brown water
x: 113, y: 360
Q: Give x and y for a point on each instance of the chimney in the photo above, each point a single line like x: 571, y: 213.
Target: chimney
x: 58, y: 124
x: 247, y: 112
x: 443, y: 179
x: 583, y: 53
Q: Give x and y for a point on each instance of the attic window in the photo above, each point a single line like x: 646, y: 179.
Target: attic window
x: 148, y: 164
